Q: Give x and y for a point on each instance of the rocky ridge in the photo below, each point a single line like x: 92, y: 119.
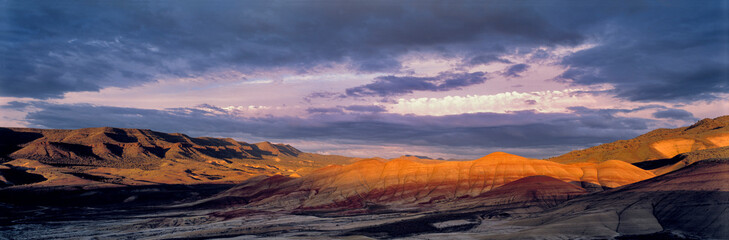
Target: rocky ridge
x: 116, y: 156
x: 657, y: 144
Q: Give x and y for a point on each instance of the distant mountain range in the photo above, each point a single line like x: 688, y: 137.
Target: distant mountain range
x: 116, y: 156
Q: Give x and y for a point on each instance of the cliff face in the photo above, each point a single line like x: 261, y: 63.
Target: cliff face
x: 657, y: 144
x: 404, y: 182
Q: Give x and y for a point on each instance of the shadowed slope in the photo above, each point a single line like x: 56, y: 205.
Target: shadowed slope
x: 657, y: 144
x: 542, y: 191
x: 692, y: 200
x: 663, y: 166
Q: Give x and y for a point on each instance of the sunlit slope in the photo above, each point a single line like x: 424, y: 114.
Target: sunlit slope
x: 139, y: 156
x: 404, y: 182
x: 657, y: 144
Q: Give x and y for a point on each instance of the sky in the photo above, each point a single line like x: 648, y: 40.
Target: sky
x: 444, y: 79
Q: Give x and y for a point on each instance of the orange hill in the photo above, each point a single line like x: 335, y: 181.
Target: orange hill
x: 404, y: 182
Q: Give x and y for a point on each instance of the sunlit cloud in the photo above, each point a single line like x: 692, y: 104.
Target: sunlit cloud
x: 541, y: 101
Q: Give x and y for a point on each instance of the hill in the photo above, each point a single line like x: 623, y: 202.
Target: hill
x: 657, y: 144
x: 689, y: 203
x: 401, y: 182
x: 65, y: 177
x: 116, y: 156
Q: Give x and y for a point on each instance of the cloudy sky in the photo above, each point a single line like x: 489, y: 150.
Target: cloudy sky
x: 450, y: 79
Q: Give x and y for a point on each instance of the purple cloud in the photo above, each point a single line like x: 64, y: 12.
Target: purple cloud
x: 366, y: 108
x: 677, y: 114
x: 515, y: 70
x: 524, y: 131
x: 385, y: 86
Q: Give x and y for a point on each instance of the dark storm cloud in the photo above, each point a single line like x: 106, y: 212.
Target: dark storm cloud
x: 677, y: 114
x: 522, y: 130
x: 666, y: 51
x: 670, y: 52
x: 324, y: 110
x: 16, y: 105
x: 540, y: 54
x: 366, y: 108
x: 49, y: 48
x: 611, y: 111
x: 324, y: 94
x: 385, y: 86
x: 485, y: 59
x: 601, y: 118
x: 515, y: 70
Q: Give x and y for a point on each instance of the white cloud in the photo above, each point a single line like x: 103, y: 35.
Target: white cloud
x: 540, y: 101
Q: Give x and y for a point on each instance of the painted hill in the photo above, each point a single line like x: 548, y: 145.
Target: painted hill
x: 657, y: 144
x: 539, y: 191
x: 690, y: 202
x: 402, y: 182
x: 103, y: 156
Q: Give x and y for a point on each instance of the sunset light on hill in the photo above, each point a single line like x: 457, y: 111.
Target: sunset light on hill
x: 364, y: 119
